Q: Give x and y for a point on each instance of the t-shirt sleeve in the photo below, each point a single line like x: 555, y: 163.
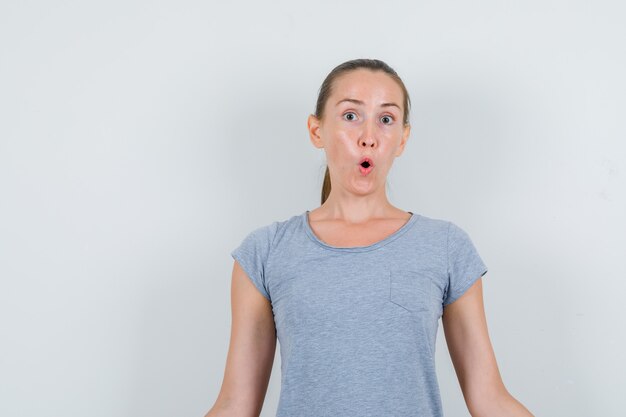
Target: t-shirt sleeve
x: 465, y: 265
x: 252, y: 254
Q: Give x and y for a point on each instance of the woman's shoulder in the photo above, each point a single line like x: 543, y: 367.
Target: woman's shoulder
x: 433, y: 223
x: 447, y: 229
x: 267, y: 231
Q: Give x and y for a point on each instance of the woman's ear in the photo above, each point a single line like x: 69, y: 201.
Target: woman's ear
x: 313, y: 125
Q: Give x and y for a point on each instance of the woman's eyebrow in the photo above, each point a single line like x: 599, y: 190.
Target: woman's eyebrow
x: 355, y: 101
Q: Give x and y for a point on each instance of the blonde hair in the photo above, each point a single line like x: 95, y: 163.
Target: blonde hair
x: 326, y: 89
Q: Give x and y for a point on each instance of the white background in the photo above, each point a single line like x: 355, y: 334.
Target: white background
x: 140, y: 141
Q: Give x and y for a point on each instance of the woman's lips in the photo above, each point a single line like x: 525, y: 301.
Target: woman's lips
x: 365, y: 165
x: 365, y: 171
x: 366, y: 159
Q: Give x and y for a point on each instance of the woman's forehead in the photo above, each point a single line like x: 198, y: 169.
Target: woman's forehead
x: 366, y: 85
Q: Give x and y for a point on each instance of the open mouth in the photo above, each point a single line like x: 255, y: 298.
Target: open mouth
x: 366, y: 162
x: 366, y: 165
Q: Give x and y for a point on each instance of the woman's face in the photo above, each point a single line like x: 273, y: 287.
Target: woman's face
x: 362, y: 118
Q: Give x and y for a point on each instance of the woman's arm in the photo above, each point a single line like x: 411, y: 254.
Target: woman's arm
x: 465, y: 328
x: 251, y: 351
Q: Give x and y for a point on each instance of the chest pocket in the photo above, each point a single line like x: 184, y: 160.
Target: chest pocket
x: 411, y: 290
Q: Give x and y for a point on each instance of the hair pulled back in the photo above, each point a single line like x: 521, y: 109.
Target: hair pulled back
x: 326, y: 90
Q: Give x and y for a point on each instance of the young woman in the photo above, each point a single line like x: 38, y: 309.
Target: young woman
x: 354, y: 289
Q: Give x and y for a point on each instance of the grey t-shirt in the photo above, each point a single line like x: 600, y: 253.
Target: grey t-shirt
x: 357, y: 325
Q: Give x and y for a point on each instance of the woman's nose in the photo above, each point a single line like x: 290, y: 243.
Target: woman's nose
x: 367, y: 142
x: 368, y: 134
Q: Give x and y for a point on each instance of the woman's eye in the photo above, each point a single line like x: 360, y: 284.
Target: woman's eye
x: 386, y: 119
x: 350, y: 114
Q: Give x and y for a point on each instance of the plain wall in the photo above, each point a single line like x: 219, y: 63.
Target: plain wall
x: 141, y: 141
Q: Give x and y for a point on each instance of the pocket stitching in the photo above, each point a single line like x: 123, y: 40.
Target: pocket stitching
x: 423, y: 291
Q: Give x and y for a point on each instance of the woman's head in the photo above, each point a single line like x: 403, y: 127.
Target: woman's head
x: 372, y: 122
